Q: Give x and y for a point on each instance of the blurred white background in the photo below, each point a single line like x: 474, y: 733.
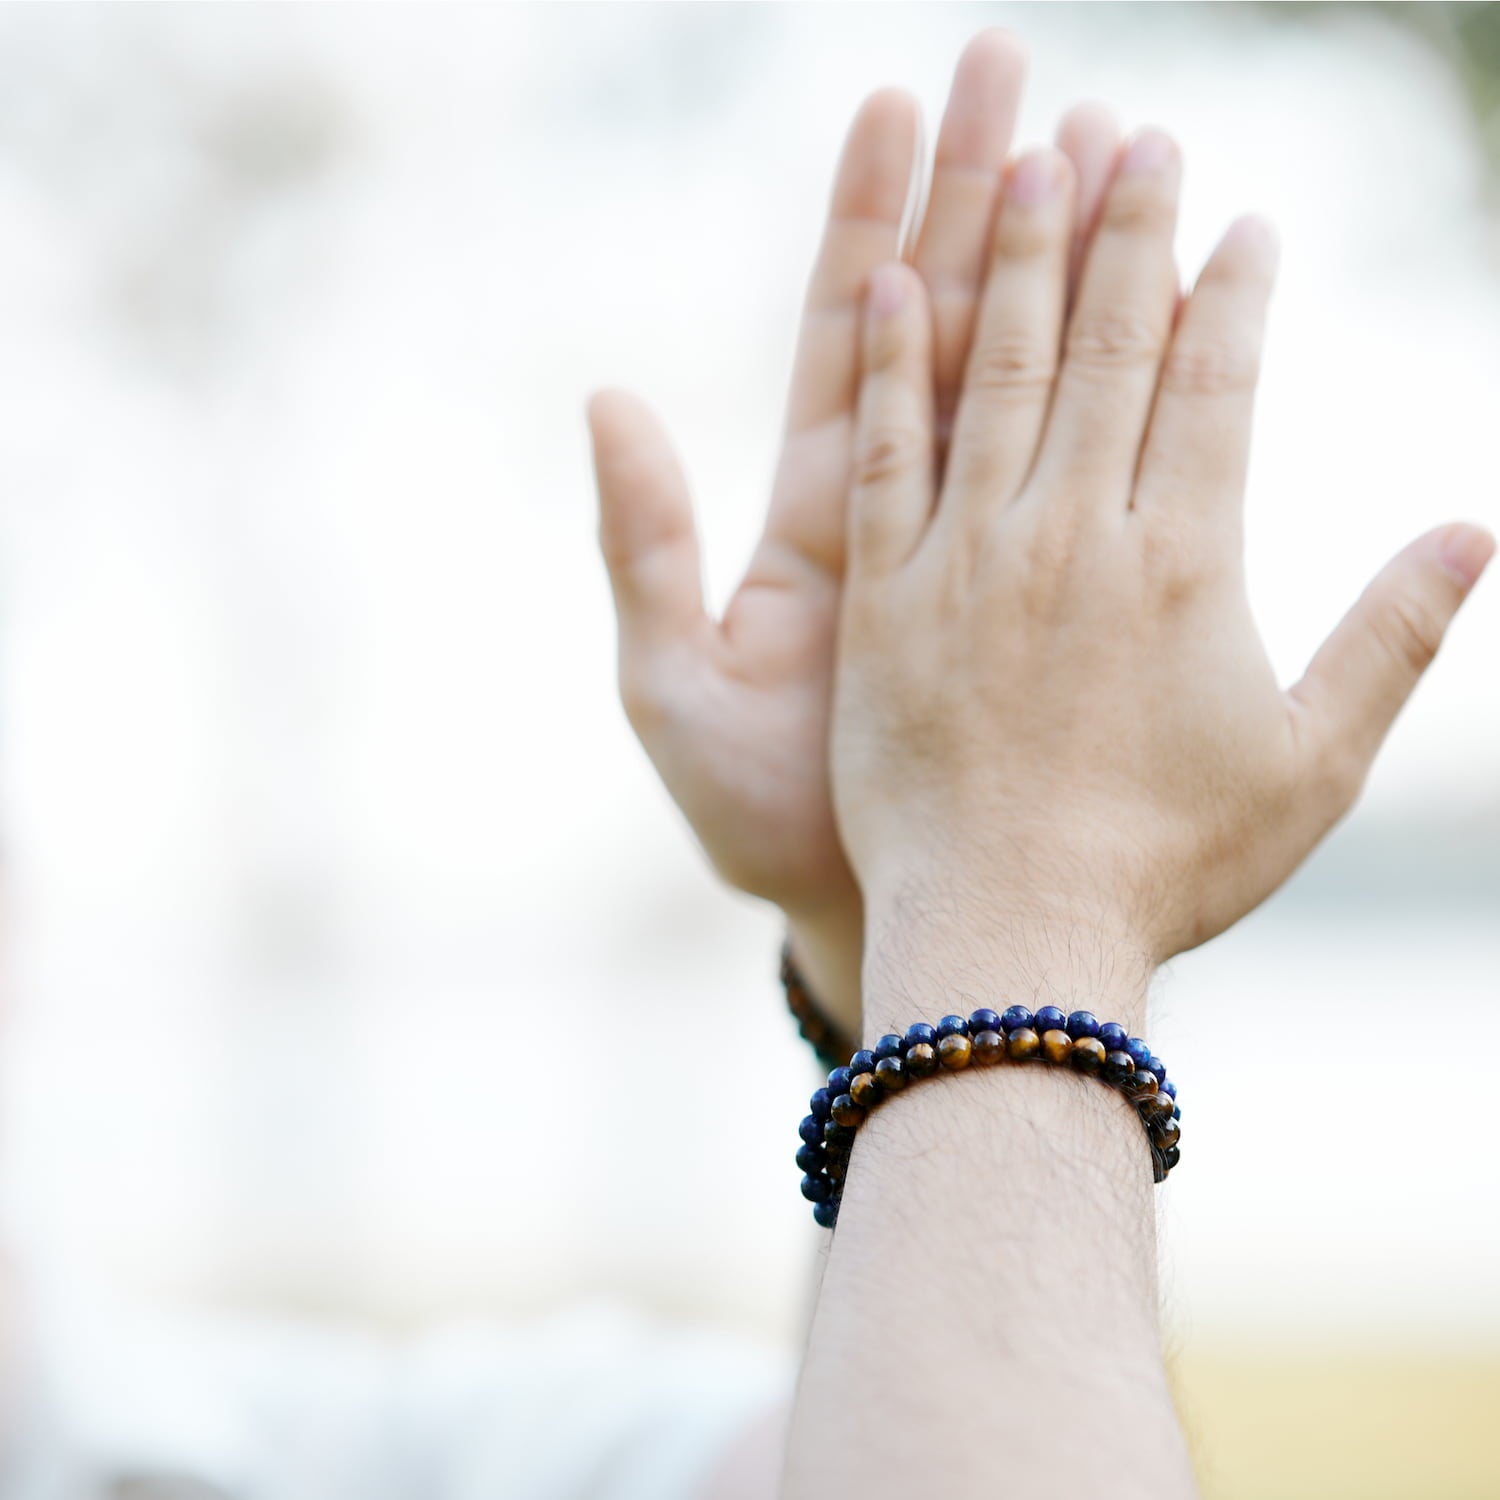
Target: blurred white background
x: 356, y: 963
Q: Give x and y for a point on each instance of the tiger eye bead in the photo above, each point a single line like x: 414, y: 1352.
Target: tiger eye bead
x: 837, y: 1138
x: 890, y: 1074
x: 825, y: 1215
x: 1088, y: 1054
x: 812, y: 1159
x: 983, y: 1019
x: 955, y: 1050
x: 847, y: 1113
x: 989, y: 1047
x: 862, y: 1062
x: 837, y: 1166
x: 816, y: 1189
x: 888, y: 1046
x: 1016, y: 1018
x: 865, y: 1091
x: 1057, y: 1045
x: 921, y: 1059
x: 1171, y: 1156
x: 1023, y: 1043
x: 1049, y: 1018
x: 952, y: 1026
x: 1117, y: 1068
x: 1165, y: 1133
x: 1082, y: 1023
x: 1138, y: 1084
x: 1155, y: 1106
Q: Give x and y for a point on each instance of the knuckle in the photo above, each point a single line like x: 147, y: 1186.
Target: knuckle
x: 1411, y: 632
x: 1210, y: 367
x: 1144, y: 209
x: 1107, y: 342
x: 1011, y: 365
x: 891, y: 453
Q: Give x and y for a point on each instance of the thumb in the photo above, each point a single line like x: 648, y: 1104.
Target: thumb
x: 645, y: 521
x: 1365, y: 671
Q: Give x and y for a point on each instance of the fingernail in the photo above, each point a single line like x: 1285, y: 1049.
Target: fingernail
x: 1034, y: 179
x: 1150, y: 151
x: 887, y: 291
x: 1464, y: 551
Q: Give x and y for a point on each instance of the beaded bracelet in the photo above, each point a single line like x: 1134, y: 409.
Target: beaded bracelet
x: 1079, y: 1041
x: 825, y: 1036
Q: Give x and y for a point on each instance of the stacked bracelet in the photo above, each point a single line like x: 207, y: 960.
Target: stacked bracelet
x: 1078, y: 1041
x: 826, y: 1037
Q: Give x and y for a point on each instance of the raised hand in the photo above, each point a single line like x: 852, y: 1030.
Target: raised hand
x: 1054, y: 713
x: 735, y: 712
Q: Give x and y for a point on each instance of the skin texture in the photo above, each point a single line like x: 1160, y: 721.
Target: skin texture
x: 1059, y: 757
x: 735, y: 713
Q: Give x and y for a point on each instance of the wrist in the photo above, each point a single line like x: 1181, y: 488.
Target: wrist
x: 827, y: 947
x: 953, y: 942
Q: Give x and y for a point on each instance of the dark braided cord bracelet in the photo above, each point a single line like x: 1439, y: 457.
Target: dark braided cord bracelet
x: 1079, y: 1041
x: 817, y: 1028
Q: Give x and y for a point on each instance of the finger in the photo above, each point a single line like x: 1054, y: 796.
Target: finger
x: 951, y: 248
x: 1366, y: 670
x: 1008, y: 380
x: 1198, y: 442
x: 645, y: 522
x: 891, y: 497
x: 1089, y: 136
x: 871, y: 190
x: 1117, y: 332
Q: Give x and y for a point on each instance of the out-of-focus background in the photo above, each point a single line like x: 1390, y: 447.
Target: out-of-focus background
x: 356, y: 966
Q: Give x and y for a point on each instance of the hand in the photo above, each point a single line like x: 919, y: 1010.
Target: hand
x: 1053, y: 709
x: 735, y: 713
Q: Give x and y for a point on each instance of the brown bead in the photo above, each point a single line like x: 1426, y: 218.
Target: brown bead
x: 1088, y: 1054
x: 1057, y: 1046
x: 890, y: 1074
x: 921, y: 1060
x: 1165, y: 1133
x: 864, y: 1090
x: 1023, y: 1044
x: 1157, y: 1106
x: 955, y: 1051
x: 1139, y: 1085
x: 989, y: 1048
x: 847, y: 1112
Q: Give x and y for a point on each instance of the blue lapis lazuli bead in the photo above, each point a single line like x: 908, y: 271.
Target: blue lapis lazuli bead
x: 952, y: 1026
x: 811, y: 1158
x: 1112, y: 1034
x: 1139, y: 1052
x: 825, y: 1214
x: 1155, y: 1065
x: 1168, y: 1088
x: 1082, y: 1023
x: 919, y: 1032
x: 810, y: 1131
x: 1049, y: 1018
x: 888, y: 1046
x: 861, y: 1062
x: 1176, y: 1111
x: 820, y: 1106
x: 838, y: 1082
x: 983, y: 1019
x: 816, y: 1189
x: 1016, y: 1018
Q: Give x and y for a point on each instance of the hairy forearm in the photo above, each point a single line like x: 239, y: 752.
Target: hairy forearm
x: 987, y: 1321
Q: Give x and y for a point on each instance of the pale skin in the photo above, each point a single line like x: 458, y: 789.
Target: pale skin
x: 1058, y: 756
x: 735, y: 712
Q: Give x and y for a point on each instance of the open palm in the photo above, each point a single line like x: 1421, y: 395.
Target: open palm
x: 735, y: 712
